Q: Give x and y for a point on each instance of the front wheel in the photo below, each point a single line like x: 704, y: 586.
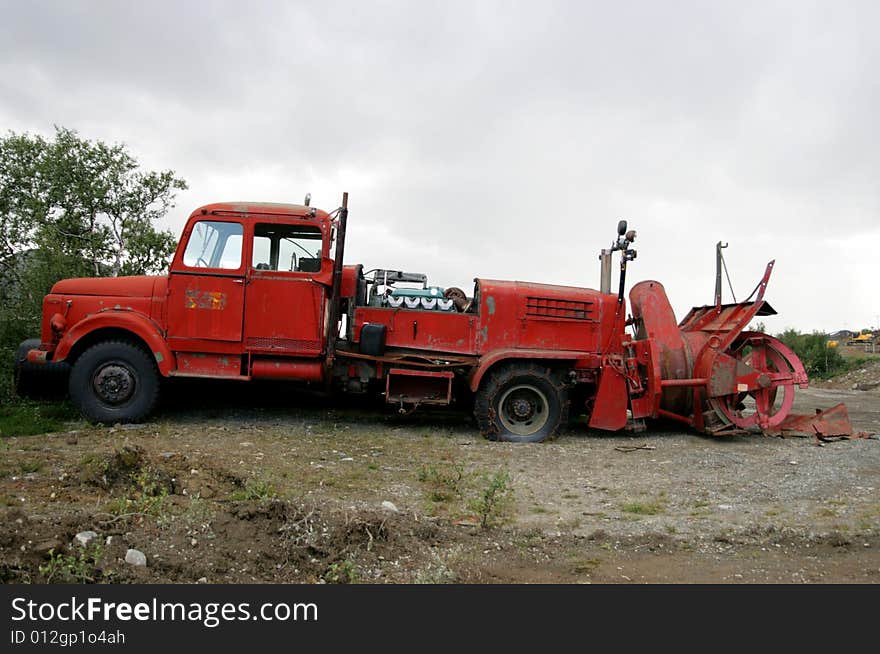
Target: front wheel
x: 521, y: 403
x: 114, y: 382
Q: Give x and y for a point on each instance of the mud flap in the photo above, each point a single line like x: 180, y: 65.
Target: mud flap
x: 830, y: 423
x: 612, y: 399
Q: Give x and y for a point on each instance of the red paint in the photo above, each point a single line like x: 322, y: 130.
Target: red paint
x: 279, y: 368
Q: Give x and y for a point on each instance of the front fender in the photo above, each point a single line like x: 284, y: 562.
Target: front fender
x: 128, y: 320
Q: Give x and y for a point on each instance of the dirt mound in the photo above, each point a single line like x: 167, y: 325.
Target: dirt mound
x: 864, y: 378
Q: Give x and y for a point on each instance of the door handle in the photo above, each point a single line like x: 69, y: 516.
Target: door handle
x: 238, y: 281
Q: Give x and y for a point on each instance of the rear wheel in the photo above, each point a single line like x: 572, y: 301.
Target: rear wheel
x: 521, y: 403
x: 113, y: 382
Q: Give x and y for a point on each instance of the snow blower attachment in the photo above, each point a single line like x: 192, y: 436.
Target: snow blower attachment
x: 719, y: 378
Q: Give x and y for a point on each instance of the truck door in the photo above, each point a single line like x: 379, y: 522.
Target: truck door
x: 285, y: 307
x: 206, y: 286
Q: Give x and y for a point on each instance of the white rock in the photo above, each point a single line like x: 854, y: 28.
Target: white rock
x: 389, y: 506
x: 136, y: 558
x: 85, y: 537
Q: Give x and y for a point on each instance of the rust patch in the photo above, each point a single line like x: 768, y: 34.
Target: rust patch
x: 213, y: 300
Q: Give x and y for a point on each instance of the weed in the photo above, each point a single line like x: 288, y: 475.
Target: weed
x: 444, y: 481
x: 256, y: 489
x: 493, y: 498
x: 587, y: 566
x: 28, y: 467
x: 436, y: 572
x: 342, y: 572
x: 75, y: 568
x: 151, y: 488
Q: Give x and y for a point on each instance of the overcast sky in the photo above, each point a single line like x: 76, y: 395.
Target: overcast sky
x: 501, y: 139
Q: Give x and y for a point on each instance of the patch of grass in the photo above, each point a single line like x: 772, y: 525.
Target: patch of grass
x: 586, y: 566
x: 443, y: 480
x: 28, y: 467
x: 643, y: 508
x: 570, y: 524
x: 537, y: 509
x: 31, y: 418
x: 256, y: 489
x: 825, y: 512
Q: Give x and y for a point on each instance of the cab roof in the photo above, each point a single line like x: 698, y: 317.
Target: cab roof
x: 245, y: 209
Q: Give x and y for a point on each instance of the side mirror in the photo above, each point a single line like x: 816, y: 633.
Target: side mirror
x: 621, y: 228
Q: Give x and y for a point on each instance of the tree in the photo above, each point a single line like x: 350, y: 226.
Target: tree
x: 813, y: 351
x: 71, y: 207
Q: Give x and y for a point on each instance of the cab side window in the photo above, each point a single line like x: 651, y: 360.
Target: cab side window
x: 288, y: 248
x: 214, y: 244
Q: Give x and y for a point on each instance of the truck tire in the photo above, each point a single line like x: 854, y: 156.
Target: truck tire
x: 521, y: 403
x: 38, y: 381
x: 114, y: 381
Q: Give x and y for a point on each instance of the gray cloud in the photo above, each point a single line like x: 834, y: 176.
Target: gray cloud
x: 501, y: 139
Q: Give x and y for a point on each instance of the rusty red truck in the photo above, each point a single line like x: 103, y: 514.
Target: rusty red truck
x: 260, y: 291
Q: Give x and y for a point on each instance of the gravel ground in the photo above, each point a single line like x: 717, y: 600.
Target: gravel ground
x: 254, y: 491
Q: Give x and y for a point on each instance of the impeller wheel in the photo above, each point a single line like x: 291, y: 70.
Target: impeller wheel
x: 778, y: 370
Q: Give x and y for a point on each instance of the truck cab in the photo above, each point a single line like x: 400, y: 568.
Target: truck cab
x: 246, y: 296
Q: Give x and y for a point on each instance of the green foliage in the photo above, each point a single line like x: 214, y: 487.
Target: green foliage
x: 493, y: 498
x: 71, y: 207
x: 813, y: 351
x: 75, y: 568
x: 343, y: 572
x: 28, y: 418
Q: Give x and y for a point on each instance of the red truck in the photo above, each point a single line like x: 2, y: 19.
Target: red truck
x: 259, y: 291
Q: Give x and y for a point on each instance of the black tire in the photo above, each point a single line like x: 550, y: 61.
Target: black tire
x: 114, y: 381
x: 521, y: 403
x: 38, y: 381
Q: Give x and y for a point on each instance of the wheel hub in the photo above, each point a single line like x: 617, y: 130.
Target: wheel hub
x: 523, y: 409
x: 114, y: 383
